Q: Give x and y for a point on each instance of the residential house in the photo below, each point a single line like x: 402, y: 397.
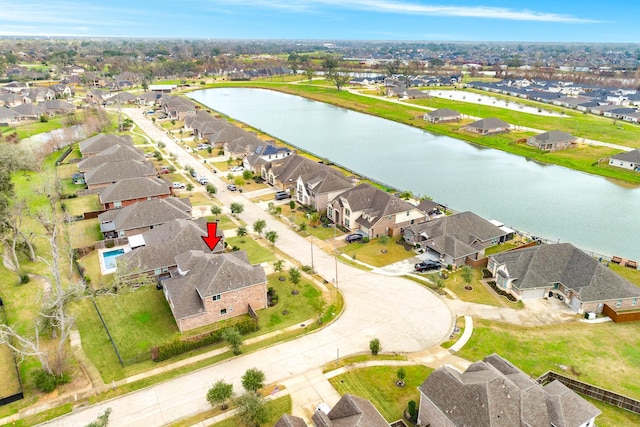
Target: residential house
x: 416, y: 94
x: 8, y: 117
x: 488, y: 126
x: 10, y: 99
x: 128, y: 191
x: 318, y: 187
x: 350, y: 411
x: 122, y: 98
x: 56, y: 106
x: 547, y: 270
x: 626, y: 160
x: 29, y: 111
x: 495, y: 393
x: 432, y: 209
x: 15, y: 87
x: 455, y: 238
x: 109, y: 173
x: 205, y: 288
x: 149, y: 98
x: 61, y: 90
x: 373, y: 211
x: 443, y: 115
x: 283, y: 173
x: 290, y: 421
x: 97, y: 143
x: 178, y: 108
x: 143, y: 216
x: 243, y: 146
x: 154, y: 251
x: 263, y: 154
x: 551, y: 141
x: 114, y: 153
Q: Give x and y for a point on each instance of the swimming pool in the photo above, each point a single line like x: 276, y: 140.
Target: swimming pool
x: 109, y: 258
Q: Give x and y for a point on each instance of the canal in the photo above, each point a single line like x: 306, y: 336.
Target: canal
x: 549, y: 201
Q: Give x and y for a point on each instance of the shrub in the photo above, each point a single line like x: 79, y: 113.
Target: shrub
x: 46, y: 382
x: 374, y: 346
x: 412, y: 411
x: 23, y: 277
x: 365, y: 239
x: 307, y: 269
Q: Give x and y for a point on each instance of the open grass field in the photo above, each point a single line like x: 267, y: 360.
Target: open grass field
x: 377, y: 383
x: 93, y: 274
x: 256, y: 252
x: 372, y: 252
x: 605, y: 354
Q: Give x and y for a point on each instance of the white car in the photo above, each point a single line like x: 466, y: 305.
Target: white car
x: 178, y: 185
x: 236, y: 169
x: 203, y: 180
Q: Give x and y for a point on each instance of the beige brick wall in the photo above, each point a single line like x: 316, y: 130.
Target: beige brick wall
x: 235, y: 302
x: 627, y: 303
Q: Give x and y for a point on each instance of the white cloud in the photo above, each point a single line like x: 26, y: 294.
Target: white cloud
x: 411, y: 8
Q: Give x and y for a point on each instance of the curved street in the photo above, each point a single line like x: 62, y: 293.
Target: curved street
x: 403, y: 315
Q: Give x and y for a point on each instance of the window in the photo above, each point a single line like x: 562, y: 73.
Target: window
x: 330, y: 212
x: 619, y: 303
x: 216, y: 297
x: 347, y: 212
x: 634, y: 301
x: 223, y: 312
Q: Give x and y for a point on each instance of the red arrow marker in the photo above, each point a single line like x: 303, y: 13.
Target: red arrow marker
x: 211, y: 239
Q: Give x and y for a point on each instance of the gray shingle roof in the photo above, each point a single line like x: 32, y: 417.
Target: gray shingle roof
x: 443, y: 113
x: 373, y: 202
x: 459, y: 234
x: 554, y: 137
x: 495, y: 393
x: 632, y: 156
x: 351, y: 411
x: 134, y: 188
x: 291, y: 167
x: 164, y: 243
x: 290, y: 421
x: 111, y: 172
x: 203, y: 275
x: 543, y: 265
x: 147, y: 213
x: 100, y: 142
x: 114, y: 153
x: 489, y: 124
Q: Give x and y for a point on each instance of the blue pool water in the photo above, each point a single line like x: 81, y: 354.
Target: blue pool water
x: 109, y: 258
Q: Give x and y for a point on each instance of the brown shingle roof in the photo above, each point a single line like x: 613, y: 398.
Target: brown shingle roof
x: 147, y: 213
x: 111, y: 172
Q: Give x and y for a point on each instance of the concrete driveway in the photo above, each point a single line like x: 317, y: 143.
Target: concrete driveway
x: 403, y: 315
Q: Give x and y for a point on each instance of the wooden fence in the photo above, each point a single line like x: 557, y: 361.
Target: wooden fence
x: 621, y: 316
x: 592, y: 391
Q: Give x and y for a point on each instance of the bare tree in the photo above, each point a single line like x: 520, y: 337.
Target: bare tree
x: 14, y: 234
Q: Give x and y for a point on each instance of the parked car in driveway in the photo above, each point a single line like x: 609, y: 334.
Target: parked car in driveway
x: 236, y: 169
x: 427, y: 266
x: 204, y: 146
x: 164, y: 169
x: 281, y: 195
x: 178, y: 185
x: 353, y: 238
x: 231, y: 187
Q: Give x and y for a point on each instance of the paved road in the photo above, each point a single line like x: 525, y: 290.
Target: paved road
x: 405, y: 316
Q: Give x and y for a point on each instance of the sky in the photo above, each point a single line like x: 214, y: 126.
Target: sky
x: 610, y: 21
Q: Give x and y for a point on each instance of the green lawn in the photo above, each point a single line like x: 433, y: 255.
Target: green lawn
x: 276, y: 409
x: 92, y: 272
x: 377, y: 384
x: 372, y: 252
x: 85, y: 232
x: 257, y: 253
x: 612, y: 416
x: 480, y: 294
x: 605, y: 354
x: 299, y: 307
x: 80, y: 205
x: 138, y: 320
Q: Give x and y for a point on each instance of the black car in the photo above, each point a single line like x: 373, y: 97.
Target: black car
x: 353, y: 238
x: 281, y: 195
x: 427, y: 265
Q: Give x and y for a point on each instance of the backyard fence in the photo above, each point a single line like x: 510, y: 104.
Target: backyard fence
x: 5, y: 400
x: 108, y: 333
x: 621, y: 316
x: 593, y: 392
